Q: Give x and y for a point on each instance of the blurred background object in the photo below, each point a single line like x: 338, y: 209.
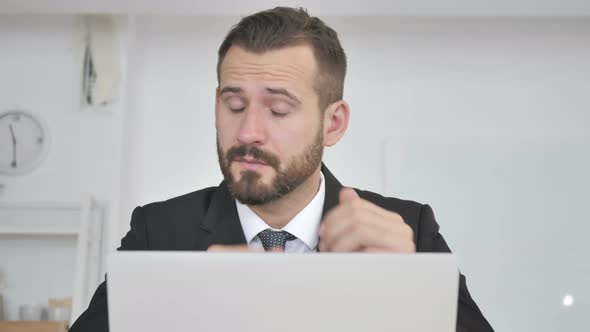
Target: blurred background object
x: 1, y: 298
x: 101, y: 63
x: 59, y: 309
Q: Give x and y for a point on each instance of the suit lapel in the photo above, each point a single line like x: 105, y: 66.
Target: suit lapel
x: 333, y: 188
x: 221, y: 221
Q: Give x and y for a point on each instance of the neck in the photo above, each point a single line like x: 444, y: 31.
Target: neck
x: 278, y: 213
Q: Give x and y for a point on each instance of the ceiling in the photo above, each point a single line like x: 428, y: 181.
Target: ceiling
x: 453, y: 8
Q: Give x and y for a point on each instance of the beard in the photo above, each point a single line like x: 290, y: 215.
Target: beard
x: 250, y: 190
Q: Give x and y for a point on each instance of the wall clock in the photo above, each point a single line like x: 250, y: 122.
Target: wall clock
x: 24, y: 142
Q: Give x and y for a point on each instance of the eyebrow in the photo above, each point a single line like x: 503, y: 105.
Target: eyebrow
x: 274, y: 91
x: 230, y: 89
x: 283, y: 92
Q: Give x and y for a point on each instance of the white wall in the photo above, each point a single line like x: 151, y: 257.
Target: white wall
x: 413, y: 83
x: 172, y: 88
x: 41, y: 71
x: 438, y: 77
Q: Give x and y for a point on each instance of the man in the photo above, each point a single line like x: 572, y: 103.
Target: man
x: 278, y: 103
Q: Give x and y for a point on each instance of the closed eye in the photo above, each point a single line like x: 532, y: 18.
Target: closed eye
x: 237, y: 110
x: 278, y: 114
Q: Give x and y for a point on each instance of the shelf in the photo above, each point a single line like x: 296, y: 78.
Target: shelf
x: 40, y: 205
x: 40, y: 219
x: 32, y: 326
x: 67, y: 232
x: 45, y: 231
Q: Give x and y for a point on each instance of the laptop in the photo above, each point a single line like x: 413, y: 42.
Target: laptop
x: 272, y: 292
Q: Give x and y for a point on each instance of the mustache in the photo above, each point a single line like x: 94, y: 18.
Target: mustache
x: 254, y: 152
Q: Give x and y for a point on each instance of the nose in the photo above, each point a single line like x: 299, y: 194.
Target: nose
x: 252, y: 129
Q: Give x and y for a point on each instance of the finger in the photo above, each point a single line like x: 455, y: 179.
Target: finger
x: 375, y: 208
x: 365, y: 235
x: 388, y: 222
x: 346, y: 230
x: 346, y: 219
x: 345, y: 210
x: 231, y: 248
x: 349, y: 243
x: 374, y: 250
x: 395, y: 239
x: 353, y: 241
x: 347, y: 195
x: 337, y: 222
x: 371, y: 240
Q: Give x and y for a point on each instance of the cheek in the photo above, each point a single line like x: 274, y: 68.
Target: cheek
x: 226, y: 130
x: 290, y: 139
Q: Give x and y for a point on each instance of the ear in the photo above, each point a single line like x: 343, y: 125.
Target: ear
x: 335, y: 122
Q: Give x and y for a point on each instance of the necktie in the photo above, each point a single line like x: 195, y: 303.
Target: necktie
x: 274, y: 239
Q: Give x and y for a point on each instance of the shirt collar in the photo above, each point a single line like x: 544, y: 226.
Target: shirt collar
x: 305, y: 225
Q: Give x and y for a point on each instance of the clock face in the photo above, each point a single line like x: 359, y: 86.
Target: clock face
x: 23, y: 142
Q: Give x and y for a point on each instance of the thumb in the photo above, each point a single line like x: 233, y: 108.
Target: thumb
x: 347, y: 195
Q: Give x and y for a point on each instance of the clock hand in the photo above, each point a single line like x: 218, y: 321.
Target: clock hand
x: 13, y: 163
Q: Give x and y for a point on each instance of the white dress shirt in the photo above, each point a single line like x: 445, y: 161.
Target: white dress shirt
x: 304, y: 226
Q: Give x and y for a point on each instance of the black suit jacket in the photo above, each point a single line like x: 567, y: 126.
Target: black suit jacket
x: 197, y: 220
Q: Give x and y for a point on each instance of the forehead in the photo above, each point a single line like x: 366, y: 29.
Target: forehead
x: 294, y: 65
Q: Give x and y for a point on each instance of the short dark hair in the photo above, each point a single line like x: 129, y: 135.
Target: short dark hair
x: 282, y: 27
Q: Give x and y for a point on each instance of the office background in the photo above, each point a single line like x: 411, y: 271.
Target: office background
x: 483, y: 113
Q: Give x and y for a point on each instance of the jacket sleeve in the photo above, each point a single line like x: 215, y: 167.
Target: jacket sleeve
x: 95, y: 318
x: 469, y: 317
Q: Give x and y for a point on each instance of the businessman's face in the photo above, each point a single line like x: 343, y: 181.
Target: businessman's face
x: 269, y: 125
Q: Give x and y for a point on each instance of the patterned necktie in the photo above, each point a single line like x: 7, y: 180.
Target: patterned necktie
x: 274, y: 239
